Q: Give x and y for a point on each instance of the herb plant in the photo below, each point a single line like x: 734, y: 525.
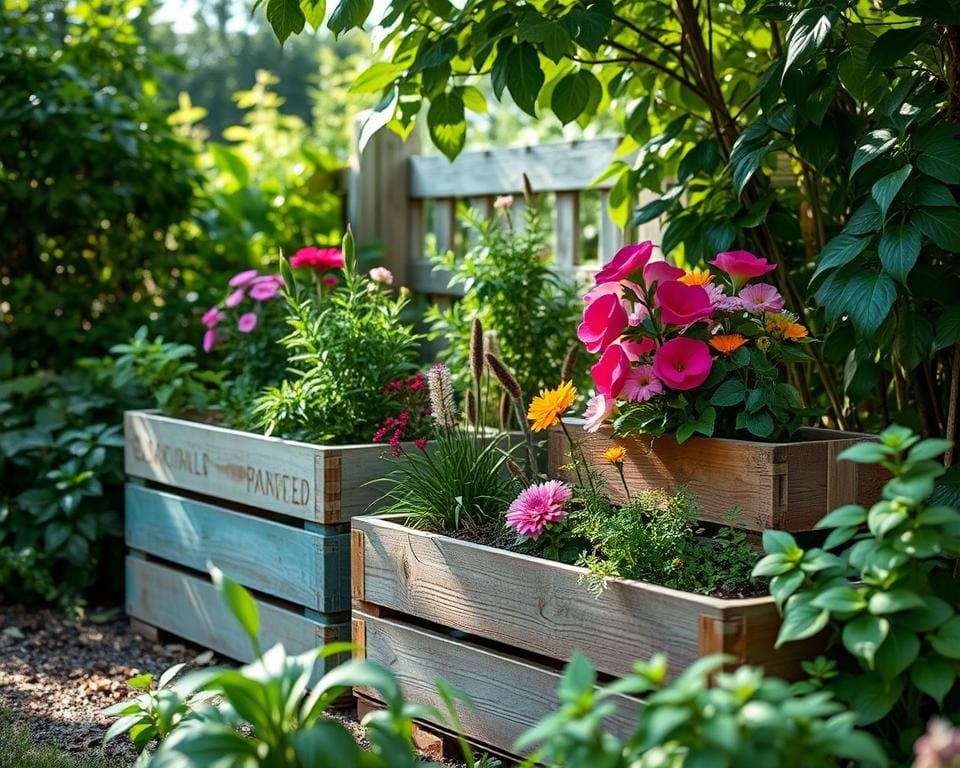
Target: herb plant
x: 885, y: 584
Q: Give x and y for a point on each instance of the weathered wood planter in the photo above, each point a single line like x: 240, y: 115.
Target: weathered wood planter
x: 789, y: 486
x: 272, y: 514
x: 500, y: 625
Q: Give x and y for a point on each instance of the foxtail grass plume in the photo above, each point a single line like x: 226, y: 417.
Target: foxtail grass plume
x: 443, y: 402
x: 476, y: 350
x: 570, y: 362
x: 471, y: 408
x: 506, y: 412
x: 506, y: 379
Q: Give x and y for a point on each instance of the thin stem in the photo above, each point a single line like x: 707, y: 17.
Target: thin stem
x: 573, y: 456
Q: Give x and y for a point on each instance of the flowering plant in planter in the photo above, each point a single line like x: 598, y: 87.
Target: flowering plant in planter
x: 692, y: 352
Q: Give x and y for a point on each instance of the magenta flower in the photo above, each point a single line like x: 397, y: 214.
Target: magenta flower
x: 682, y: 363
x: 235, y: 298
x: 538, y: 506
x: 209, y: 339
x: 611, y: 371
x: 682, y: 304
x: 761, y: 297
x: 420, y: 442
x: 598, y: 411
x: 741, y: 266
x: 247, y: 322
x: 264, y: 291
x: 243, y: 278
x: 635, y: 349
x: 642, y: 384
x: 660, y: 272
x: 329, y: 281
x: 627, y: 264
x: 720, y: 301
x: 320, y: 259
x: 212, y: 317
x: 604, y: 319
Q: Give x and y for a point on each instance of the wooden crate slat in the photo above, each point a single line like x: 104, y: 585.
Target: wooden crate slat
x: 190, y: 607
x: 536, y: 604
x: 567, y: 230
x: 510, y: 695
x: 550, y: 167
x: 282, y: 476
x: 287, y: 562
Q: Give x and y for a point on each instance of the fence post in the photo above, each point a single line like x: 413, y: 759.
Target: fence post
x: 380, y: 209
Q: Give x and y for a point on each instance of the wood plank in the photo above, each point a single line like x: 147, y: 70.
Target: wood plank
x: 510, y: 695
x: 558, y: 167
x: 190, y: 607
x: 536, y: 604
x: 282, y: 476
x: 287, y: 562
x: 567, y: 230
x: 612, y: 237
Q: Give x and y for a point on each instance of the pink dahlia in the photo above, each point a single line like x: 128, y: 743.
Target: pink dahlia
x: 247, y: 322
x: 264, y: 291
x: 642, y: 384
x: 598, y: 411
x: 683, y: 363
x: 742, y: 266
x: 320, y: 259
x: 235, y: 298
x: 628, y: 263
x: 243, y: 278
x: 538, y: 506
x: 761, y: 297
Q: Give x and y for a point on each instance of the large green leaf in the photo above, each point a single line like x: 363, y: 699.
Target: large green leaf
x: 841, y: 250
x: 286, y: 17
x: 894, y: 44
x: 807, y: 33
x: 863, y: 636
x: 868, y: 298
x: 524, y: 77
x: 899, y: 249
x: 934, y: 676
x: 941, y: 160
x: 574, y: 94
x: 447, y: 123
x: 942, y: 225
x: 948, y: 328
x: 240, y: 603
x: 872, y: 146
x: 349, y: 14
x: 886, y: 189
x: 313, y: 12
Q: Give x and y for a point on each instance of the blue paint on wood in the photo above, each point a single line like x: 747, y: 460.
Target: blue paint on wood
x: 309, y: 568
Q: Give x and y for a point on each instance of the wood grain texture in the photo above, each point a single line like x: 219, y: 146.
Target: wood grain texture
x: 307, y: 482
x: 191, y: 608
x: 776, y: 485
x: 556, y: 167
x: 284, y: 561
x: 539, y: 606
x: 510, y: 695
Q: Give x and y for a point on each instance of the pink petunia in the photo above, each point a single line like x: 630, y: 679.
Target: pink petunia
x: 741, y: 266
x: 247, y: 322
x: 682, y: 304
x: 264, y: 291
x: 761, y: 297
x: 320, y: 259
x: 641, y: 385
x: 209, y: 339
x: 661, y: 272
x: 212, y: 317
x: 683, y: 363
x: 604, y: 319
x: 611, y: 371
x: 538, y: 506
x: 235, y: 298
x: 598, y: 411
x: 243, y: 278
x: 627, y: 264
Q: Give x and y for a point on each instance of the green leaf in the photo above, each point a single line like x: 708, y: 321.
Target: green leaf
x: 141, y: 682
x: 524, y: 77
x: 240, y: 603
x: 874, y: 696
x: 801, y: 621
x: 946, y: 641
x: 897, y: 653
x: 934, y: 676
x: 932, y: 194
x: 313, y: 12
x: 847, y: 515
x: 942, y: 225
x: 349, y: 14
x: 376, y: 77
x: 657, y: 207
x: 872, y: 146
x: 869, y: 298
x: 573, y: 95
x: 863, y: 636
x: 56, y: 535
x: 841, y: 250
x: 886, y: 189
x: 895, y: 600
x: 774, y: 564
x: 286, y: 17
x: 894, y: 44
x: 883, y: 518
x: 899, y: 249
x: 326, y: 744
x: 447, y: 123
x: 867, y: 452
x: 948, y: 328
x: 941, y: 160
x: 780, y: 542
x: 840, y: 600
x: 807, y: 33
x: 579, y: 677
x: 759, y: 424
x: 784, y: 585
x: 731, y: 392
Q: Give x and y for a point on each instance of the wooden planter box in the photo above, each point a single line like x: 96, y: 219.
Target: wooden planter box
x: 272, y: 514
x: 500, y: 625
x: 789, y: 486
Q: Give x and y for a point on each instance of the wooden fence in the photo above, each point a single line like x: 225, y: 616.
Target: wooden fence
x: 408, y: 202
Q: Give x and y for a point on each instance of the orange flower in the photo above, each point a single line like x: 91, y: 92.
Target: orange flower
x: 547, y: 407
x: 696, y: 277
x: 615, y: 455
x: 728, y: 343
x: 782, y: 326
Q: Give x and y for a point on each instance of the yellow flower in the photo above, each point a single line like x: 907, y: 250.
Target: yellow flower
x: 779, y: 325
x: 547, y: 407
x: 697, y: 277
x: 727, y: 343
x: 615, y: 455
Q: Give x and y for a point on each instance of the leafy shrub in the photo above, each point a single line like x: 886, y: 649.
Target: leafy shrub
x: 510, y: 285
x: 344, y: 346
x: 889, y: 593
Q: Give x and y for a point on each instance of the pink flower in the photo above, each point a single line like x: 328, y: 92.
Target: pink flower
x: 264, y: 291
x: 247, y: 322
x: 604, y: 319
x: 660, y: 272
x: 209, y: 339
x: 682, y: 304
x: 503, y: 201
x: 741, y: 266
x: 212, y: 317
x: 611, y: 371
x: 720, y: 301
x: 598, y: 411
x: 420, y: 442
x: 329, y: 281
x: 381, y: 275
x: 235, y: 298
x: 761, y: 297
x: 635, y: 349
x: 642, y: 384
x: 538, y: 506
x: 243, y: 278
x: 628, y: 263
x: 682, y: 363
x: 320, y: 259
x: 939, y: 747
